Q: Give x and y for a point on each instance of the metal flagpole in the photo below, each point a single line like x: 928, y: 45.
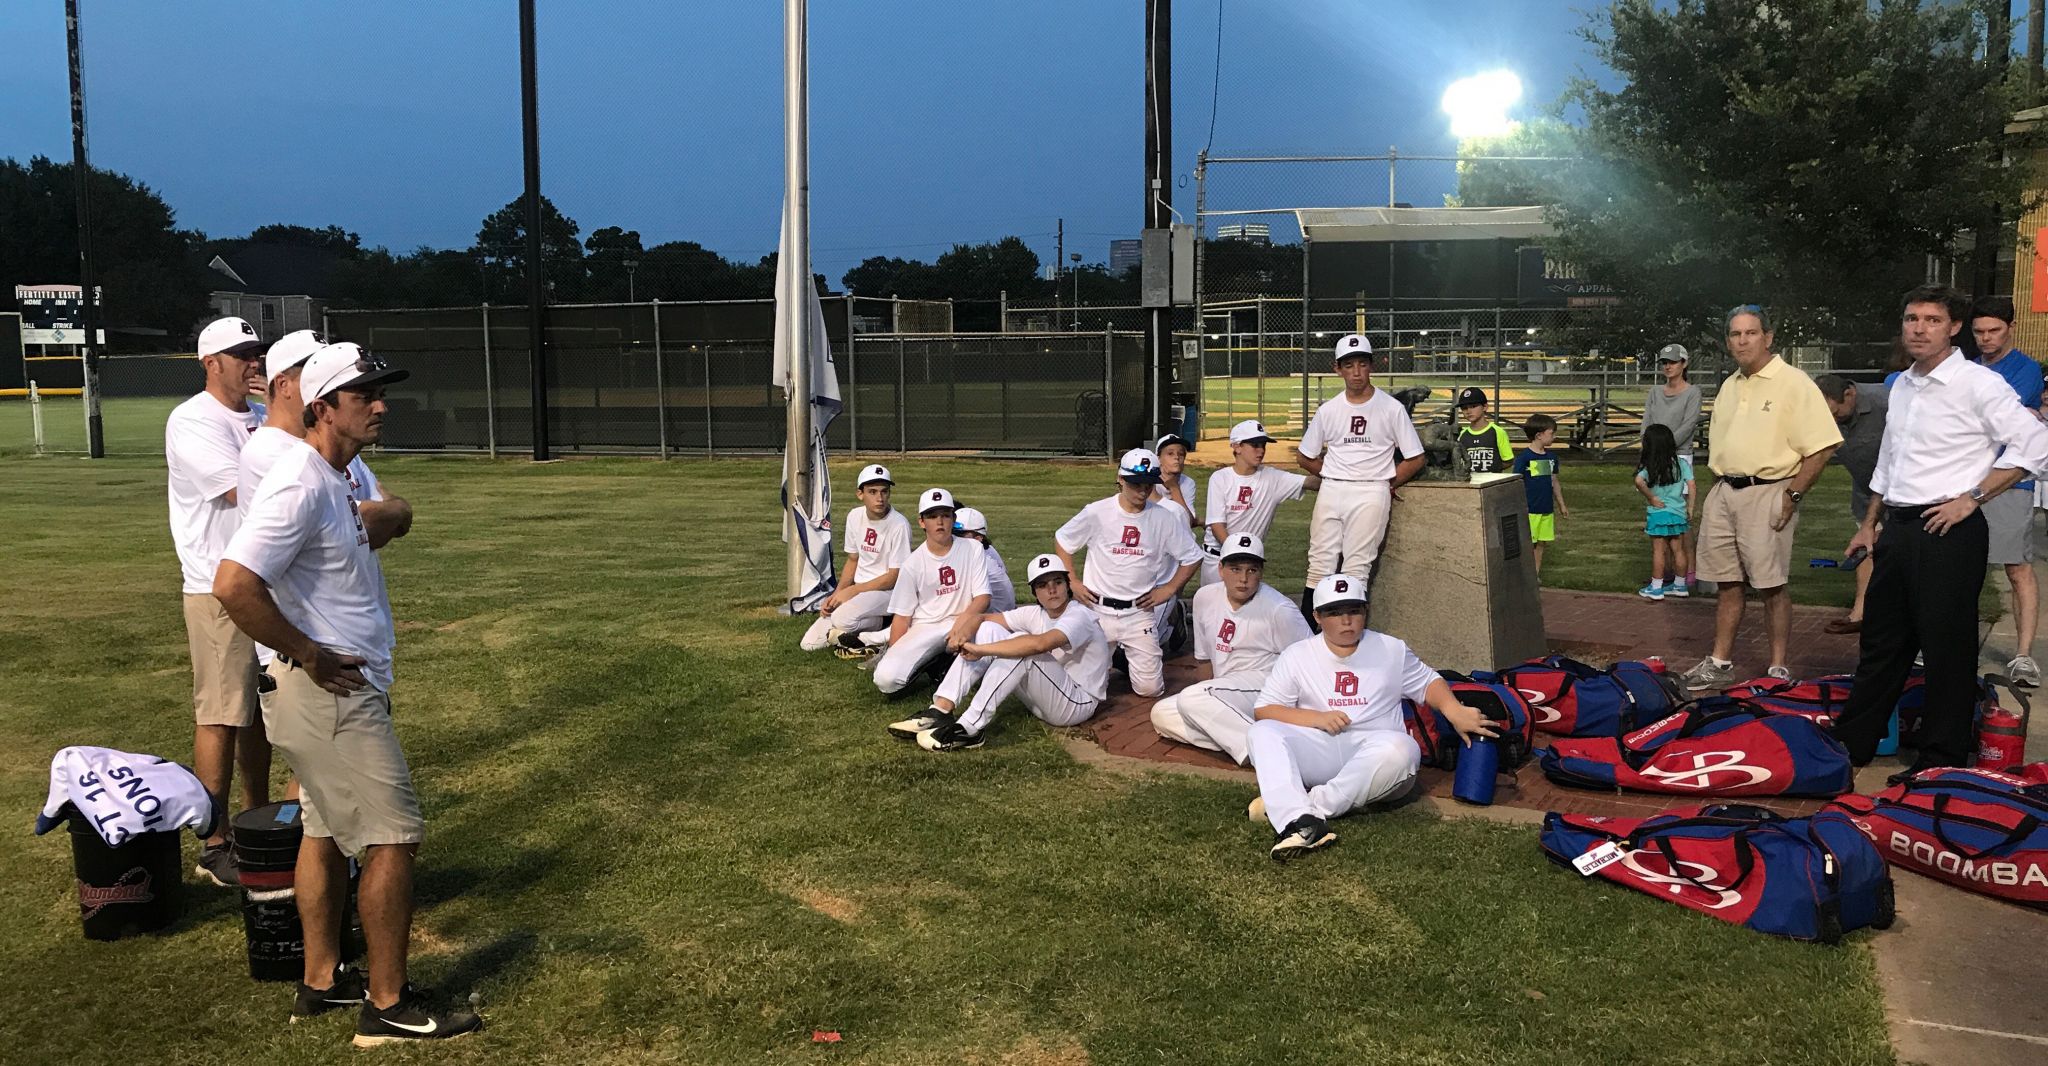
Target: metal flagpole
x: 796, y: 273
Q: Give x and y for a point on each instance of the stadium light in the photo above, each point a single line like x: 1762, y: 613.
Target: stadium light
x: 1478, y: 105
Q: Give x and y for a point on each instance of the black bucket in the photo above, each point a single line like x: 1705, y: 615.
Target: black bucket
x: 135, y: 888
x: 275, y: 825
x: 277, y: 944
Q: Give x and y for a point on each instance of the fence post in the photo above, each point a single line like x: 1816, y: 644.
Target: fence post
x: 708, y: 450
x: 1003, y: 311
x: 1307, y: 318
x: 902, y: 384
x: 1259, y: 324
x: 852, y: 376
x: 1498, y: 413
x: 1108, y: 392
x: 35, y: 414
x: 490, y: 389
x: 660, y: 383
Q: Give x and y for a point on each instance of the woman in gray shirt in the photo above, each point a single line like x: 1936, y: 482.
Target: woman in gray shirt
x: 1676, y: 405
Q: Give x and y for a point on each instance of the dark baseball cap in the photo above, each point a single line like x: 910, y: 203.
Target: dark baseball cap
x: 1472, y: 397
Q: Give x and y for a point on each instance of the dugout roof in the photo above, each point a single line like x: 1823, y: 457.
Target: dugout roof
x: 1401, y: 224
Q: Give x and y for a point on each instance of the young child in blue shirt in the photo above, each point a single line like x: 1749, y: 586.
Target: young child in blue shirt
x: 1538, y: 466
x: 1662, y: 480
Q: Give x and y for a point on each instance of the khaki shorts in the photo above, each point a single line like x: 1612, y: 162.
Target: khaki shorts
x: 354, y: 785
x: 223, y: 664
x: 1737, y: 542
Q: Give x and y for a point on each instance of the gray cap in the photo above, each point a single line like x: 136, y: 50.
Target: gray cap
x: 1673, y: 353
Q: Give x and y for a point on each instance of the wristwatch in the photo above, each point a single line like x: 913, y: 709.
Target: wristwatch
x: 1795, y: 496
x: 1977, y: 495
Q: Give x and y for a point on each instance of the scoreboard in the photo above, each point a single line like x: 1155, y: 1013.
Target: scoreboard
x: 55, y: 314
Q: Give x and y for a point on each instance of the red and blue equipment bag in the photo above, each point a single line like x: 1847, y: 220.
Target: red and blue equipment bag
x: 1572, y: 699
x: 1714, y: 747
x: 1507, y: 709
x: 1811, y: 878
x: 1976, y: 829
x: 1822, y: 699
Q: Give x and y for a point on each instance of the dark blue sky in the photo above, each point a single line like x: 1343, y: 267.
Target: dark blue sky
x: 932, y: 122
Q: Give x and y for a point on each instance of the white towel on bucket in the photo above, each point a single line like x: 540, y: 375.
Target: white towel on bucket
x: 122, y: 794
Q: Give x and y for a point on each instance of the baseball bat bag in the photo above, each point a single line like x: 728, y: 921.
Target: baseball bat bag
x: 1980, y: 830
x: 1570, y: 698
x: 1440, y: 743
x: 1811, y: 878
x: 1821, y: 699
x: 1715, y: 746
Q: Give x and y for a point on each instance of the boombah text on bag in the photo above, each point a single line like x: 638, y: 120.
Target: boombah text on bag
x: 1570, y: 698
x: 1976, y: 829
x: 1714, y: 747
x: 1499, y: 702
x: 1811, y: 878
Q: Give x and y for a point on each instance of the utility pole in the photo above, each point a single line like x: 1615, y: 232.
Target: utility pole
x: 536, y: 269
x: 1158, y: 195
x: 88, y: 289
x: 1059, y: 259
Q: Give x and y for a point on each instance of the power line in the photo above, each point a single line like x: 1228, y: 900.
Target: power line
x: 1216, y: 84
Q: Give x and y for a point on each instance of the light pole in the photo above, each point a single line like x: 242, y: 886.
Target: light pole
x: 631, y: 265
x: 1075, y: 258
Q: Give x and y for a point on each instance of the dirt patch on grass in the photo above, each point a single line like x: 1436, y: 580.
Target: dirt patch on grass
x: 836, y: 907
x: 1035, y: 1052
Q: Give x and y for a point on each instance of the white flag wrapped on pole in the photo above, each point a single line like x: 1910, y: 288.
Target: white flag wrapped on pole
x: 806, y: 486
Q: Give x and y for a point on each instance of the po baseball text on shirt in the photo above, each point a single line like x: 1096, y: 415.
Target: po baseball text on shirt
x: 881, y: 545
x: 1128, y: 554
x: 1245, y: 641
x: 935, y: 588
x: 1368, y: 685
x: 1361, y: 439
x: 1245, y: 503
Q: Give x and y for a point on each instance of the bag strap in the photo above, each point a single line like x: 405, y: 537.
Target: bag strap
x: 2026, y: 705
x: 1698, y: 718
x: 2020, y: 832
x: 1745, y: 862
x: 2034, y: 796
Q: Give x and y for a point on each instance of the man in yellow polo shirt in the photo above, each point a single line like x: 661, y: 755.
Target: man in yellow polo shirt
x: 1771, y: 435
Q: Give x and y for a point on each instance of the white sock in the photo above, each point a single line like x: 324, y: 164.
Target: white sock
x: 1656, y: 583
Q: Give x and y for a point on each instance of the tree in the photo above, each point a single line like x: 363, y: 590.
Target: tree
x: 501, y: 243
x: 1515, y: 182
x: 985, y: 271
x: 331, y: 238
x: 1803, y: 154
x: 609, y: 250
x: 143, y: 260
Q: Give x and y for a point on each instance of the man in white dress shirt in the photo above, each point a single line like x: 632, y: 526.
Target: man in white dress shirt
x: 1241, y: 625
x: 1364, y: 446
x: 1941, y: 459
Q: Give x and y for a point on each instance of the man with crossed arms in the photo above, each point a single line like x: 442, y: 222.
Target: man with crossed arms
x: 1051, y: 654
x: 1330, y: 736
x: 1141, y: 553
x: 941, y: 592
x: 1241, y: 625
x: 1364, y: 446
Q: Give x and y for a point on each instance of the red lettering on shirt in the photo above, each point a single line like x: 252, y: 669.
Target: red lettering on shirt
x: 1347, y: 683
x: 1130, y: 536
x: 870, y: 538
x: 1225, y: 633
x: 1244, y: 494
x: 947, y: 577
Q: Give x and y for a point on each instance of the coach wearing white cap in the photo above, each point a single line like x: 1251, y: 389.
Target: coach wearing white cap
x: 203, y: 442
x: 1364, y: 446
x: 1244, y: 495
x: 877, y: 542
x: 1330, y: 736
x: 1141, y: 553
x: 1241, y: 625
x: 300, y: 576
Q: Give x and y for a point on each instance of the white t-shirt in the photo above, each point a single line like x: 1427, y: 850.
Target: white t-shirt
x: 304, y: 538
x: 1361, y: 437
x: 1244, y: 503
x: 203, y: 443
x: 1368, y: 685
x: 261, y: 454
x: 1189, y: 491
x: 1243, y: 643
x: 936, y: 588
x: 1129, y: 554
x: 1002, y: 593
x: 881, y: 545
x: 1086, y: 656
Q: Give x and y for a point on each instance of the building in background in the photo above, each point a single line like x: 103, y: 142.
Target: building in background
x: 278, y: 288
x: 1125, y: 255
x: 1256, y: 232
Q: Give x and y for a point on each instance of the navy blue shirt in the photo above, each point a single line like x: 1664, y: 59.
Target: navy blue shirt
x: 1536, y: 471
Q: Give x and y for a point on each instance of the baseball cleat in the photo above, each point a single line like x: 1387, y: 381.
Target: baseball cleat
x: 1303, y: 835
x: 948, y: 737
x: 1257, y: 810
x: 856, y: 654
x: 909, y: 728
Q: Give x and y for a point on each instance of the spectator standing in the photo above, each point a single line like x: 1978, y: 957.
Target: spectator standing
x: 2010, y: 514
x: 1860, y: 412
x: 1772, y: 434
x: 1482, y: 441
x: 1538, y: 466
x: 1675, y: 405
x: 1662, y: 480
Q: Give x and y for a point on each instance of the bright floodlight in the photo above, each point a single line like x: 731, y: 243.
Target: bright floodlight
x: 1478, y: 105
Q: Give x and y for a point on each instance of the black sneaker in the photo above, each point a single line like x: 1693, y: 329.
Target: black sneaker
x: 950, y: 736
x: 217, y: 864
x: 345, y: 991
x: 1303, y: 835
x: 411, y: 1019
x: 909, y: 728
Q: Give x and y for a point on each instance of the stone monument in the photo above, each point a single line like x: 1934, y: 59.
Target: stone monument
x: 1456, y: 579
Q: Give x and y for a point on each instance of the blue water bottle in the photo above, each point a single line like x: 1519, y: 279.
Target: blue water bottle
x: 1477, y: 767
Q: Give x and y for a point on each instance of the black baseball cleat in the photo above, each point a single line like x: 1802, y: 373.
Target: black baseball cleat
x: 948, y: 737
x: 909, y: 728
x: 217, y: 864
x: 1303, y: 835
x: 345, y: 991
x: 411, y: 1019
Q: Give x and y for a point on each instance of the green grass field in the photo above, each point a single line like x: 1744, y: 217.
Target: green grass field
x: 658, y: 833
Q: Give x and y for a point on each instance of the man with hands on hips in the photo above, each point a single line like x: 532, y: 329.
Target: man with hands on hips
x: 1329, y: 735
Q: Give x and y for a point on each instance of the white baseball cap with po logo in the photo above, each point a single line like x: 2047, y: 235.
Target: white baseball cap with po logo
x: 1338, y: 590
x: 934, y: 500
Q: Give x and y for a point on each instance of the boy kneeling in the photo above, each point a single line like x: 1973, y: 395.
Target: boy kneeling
x: 1052, y: 655
x: 1328, y: 734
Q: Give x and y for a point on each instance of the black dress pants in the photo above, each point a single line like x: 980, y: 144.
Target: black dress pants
x: 1922, y: 598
